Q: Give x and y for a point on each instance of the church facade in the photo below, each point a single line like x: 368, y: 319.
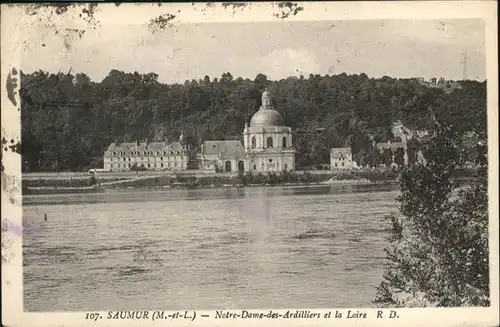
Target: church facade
x: 267, y: 145
x: 268, y: 142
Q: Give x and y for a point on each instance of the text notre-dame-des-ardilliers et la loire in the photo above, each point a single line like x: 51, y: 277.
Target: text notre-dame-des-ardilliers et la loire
x: 300, y: 314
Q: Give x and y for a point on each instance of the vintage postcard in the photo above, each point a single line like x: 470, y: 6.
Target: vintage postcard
x: 253, y: 164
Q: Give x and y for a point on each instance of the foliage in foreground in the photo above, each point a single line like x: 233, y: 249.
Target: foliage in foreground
x: 438, y: 246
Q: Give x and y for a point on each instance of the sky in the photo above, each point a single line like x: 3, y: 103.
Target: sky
x: 278, y: 49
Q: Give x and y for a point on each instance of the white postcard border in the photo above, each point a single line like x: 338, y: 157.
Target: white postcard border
x: 12, y: 20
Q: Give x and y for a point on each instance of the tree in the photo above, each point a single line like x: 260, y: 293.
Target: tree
x: 438, y: 250
x: 261, y: 81
x: 73, y: 119
x: 379, y: 157
x: 412, y: 151
x: 370, y: 157
x: 399, y: 157
x: 387, y: 156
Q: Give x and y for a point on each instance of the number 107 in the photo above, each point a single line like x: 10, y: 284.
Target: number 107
x: 92, y: 316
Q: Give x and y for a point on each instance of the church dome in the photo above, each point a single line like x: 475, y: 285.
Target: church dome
x: 267, y: 117
x: 266, y: 94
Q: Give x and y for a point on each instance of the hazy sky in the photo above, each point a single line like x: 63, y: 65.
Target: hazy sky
x: 397, y: 48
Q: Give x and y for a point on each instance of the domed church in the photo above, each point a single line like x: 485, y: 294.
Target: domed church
x: 267, y: 142
x: 268, y: 147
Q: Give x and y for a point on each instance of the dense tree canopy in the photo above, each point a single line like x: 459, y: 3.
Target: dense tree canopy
x: 68, y: 121
x: 438, y: 246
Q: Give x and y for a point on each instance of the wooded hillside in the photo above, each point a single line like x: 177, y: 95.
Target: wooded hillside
x: 71, y: 120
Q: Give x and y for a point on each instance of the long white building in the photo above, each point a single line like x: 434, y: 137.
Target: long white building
x: 150, y: 156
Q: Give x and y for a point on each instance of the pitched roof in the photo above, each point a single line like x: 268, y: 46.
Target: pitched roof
x: 144, y: 147
x: 226, y: 149
x: 176, y: 146
x: 340, y: 152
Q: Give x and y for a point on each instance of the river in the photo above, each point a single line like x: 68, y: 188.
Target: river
x: 228, y: 248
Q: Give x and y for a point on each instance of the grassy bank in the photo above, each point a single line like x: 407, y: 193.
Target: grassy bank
x: 242, y: 179
x: 68, y: 182
x: 246, y: 179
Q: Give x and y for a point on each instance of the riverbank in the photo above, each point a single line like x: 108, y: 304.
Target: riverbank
x: 97, y: 184
x: 95, y: 190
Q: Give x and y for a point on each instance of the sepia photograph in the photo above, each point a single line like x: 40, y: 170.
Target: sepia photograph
x: 279, y: 165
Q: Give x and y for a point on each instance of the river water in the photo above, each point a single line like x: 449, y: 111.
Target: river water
x: 247, y: 248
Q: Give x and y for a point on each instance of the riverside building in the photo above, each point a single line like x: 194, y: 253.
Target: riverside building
x: 268, y: 142
x: 146, y: 155
x: 267, y: 145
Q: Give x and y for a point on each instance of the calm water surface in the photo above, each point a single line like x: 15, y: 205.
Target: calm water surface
x: 276, y: 247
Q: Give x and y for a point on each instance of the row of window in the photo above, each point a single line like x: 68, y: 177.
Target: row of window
x: 181, y: 165
x: 147, y: 158
x: 270, y: 160
x: 228, y: 167
x: 148, y: 152
x: 241, y: 166
x: 269, y: 142
x: 342, y: 159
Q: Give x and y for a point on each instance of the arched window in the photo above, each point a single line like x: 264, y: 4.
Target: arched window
x: 269, y: 142
x: 254, y: 142
x: 241, y: 165
x: 228, y: 165
x: 283, y: 144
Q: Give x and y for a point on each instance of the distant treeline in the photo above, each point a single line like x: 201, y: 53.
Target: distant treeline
x: 68, y: 121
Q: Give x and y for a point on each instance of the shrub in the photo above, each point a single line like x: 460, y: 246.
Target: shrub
x: 438, y: 244
x: 138, y: 168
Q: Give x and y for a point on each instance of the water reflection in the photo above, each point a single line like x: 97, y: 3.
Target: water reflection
x: 136, y: 195
x: 219, y: 248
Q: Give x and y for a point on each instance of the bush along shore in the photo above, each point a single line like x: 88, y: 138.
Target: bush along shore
x: 241, y: 179
x: 68, y: 182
